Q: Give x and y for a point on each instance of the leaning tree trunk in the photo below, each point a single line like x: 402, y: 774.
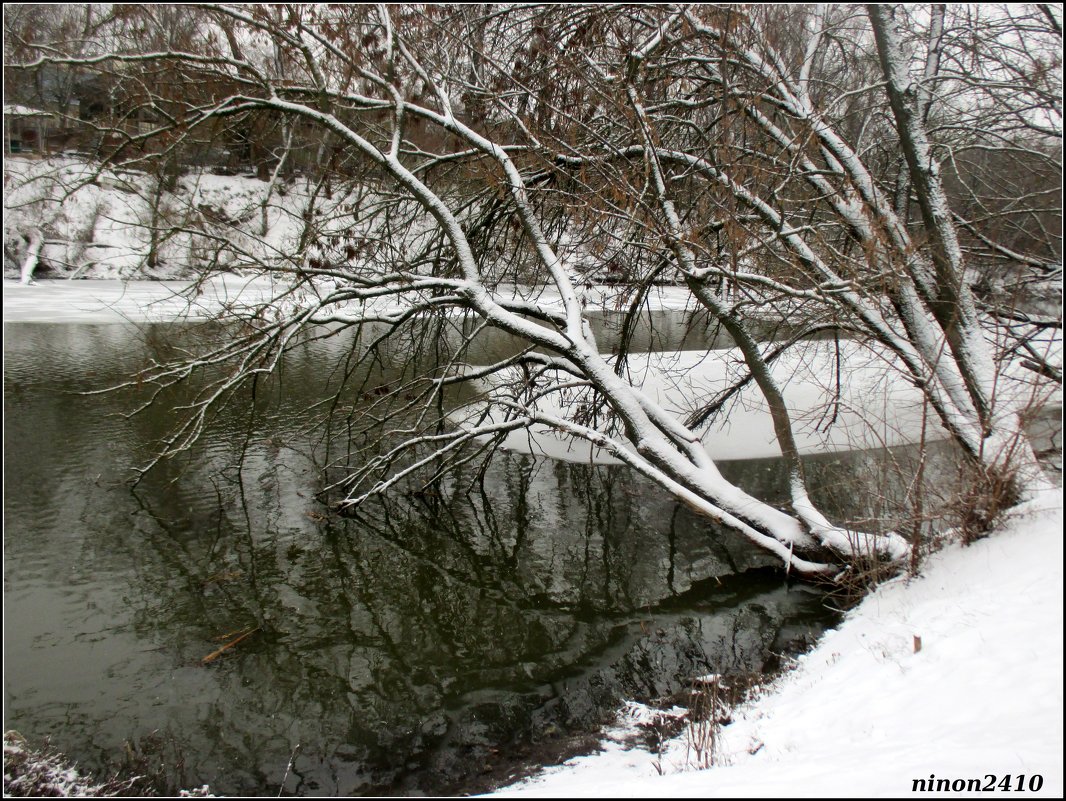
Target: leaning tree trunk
x: 1005, y: 451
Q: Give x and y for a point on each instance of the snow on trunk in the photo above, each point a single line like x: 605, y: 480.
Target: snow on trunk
x: 1005, y: 447
x: 32, y: 257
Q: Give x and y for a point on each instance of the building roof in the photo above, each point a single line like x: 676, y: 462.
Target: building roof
x: 24, y: 111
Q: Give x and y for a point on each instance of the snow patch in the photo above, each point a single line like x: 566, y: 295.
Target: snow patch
x: 877, y: 407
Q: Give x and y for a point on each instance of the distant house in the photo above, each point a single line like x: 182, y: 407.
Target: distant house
x: 26, y: 129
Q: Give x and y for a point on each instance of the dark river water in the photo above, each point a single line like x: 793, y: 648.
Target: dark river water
x: 428, y: 645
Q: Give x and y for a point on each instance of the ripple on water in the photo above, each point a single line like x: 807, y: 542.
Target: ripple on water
x: 404, y: 649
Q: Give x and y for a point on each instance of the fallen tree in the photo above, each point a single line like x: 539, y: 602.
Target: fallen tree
x: 752, y: 157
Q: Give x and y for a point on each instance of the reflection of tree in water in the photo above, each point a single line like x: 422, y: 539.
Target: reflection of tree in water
x: 401, y: 645
x: 494, y: 607
x: 398, y: 647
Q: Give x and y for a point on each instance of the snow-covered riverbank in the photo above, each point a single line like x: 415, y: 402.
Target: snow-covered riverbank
x: 116, y: 300
x: 867, y: 713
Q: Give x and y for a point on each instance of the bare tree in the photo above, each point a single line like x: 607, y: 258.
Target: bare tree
x: 749, y: 155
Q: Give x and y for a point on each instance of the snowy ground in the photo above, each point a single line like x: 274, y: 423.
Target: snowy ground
x: 865, y: 715
x: 106, y: 301
x: 115, y: 300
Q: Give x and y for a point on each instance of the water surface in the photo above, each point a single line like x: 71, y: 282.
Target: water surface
x: 423, y: 646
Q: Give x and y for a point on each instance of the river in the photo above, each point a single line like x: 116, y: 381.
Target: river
x: 434, y: 643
